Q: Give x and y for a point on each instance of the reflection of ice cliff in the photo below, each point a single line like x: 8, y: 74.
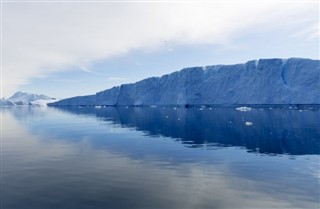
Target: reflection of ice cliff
x: 267, y: 81
x: 276, y: 131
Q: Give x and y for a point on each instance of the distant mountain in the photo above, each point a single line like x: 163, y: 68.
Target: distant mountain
x: 23, y: 98
x: 4, y: 102
x: 264, y: 81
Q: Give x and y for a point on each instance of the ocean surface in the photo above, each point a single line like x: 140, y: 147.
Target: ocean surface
x: 159, y: 157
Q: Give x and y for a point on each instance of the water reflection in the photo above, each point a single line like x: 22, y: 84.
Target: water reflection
x: 275, y: 131
x: 66, y: 158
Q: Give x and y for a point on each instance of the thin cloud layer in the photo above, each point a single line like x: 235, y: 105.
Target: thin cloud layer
x: 40, y: 38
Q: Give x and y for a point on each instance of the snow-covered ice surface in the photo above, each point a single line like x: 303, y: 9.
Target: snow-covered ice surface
x: 42, y: 102
x: 258, y: 82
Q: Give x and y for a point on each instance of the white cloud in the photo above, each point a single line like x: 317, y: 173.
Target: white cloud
x: 309, y: 32
x: 87, y: 70
x: 39, y: 38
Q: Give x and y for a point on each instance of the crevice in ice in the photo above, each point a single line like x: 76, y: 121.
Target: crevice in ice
x: 256, y: 63
x: 205, y: 68
x: 283, y: 71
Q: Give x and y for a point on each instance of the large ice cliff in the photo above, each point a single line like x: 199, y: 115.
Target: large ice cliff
x: 264, y: 81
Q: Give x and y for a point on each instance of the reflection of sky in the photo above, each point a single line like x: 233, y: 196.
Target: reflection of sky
x: 69, y: 159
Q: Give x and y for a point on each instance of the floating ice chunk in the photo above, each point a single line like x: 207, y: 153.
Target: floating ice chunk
x: 249, y: 123
x: 244, y: 109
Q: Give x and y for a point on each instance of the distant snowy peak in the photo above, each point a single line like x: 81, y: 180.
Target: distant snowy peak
x: 23, y: 98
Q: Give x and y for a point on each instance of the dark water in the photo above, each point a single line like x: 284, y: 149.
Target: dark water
x: 159, y: 158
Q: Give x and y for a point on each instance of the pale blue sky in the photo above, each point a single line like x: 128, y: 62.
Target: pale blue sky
x: 48, y: 49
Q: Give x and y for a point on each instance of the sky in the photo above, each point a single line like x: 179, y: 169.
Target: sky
x: 70, y: 48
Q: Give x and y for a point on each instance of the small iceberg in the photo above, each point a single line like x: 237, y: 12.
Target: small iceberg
x: 249, y: 123
x: 244, y: 109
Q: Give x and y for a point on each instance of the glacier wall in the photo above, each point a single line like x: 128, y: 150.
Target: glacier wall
x: 264, y: 81
x: 79, y: 100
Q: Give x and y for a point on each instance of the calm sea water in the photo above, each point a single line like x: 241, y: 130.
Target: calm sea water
x: 159, y: 158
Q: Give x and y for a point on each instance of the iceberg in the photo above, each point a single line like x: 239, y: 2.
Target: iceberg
x: 244, y: 109
x: 257, y: 82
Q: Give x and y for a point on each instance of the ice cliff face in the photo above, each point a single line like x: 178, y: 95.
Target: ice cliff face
x: 79, y: 100
x: 266, y: 81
